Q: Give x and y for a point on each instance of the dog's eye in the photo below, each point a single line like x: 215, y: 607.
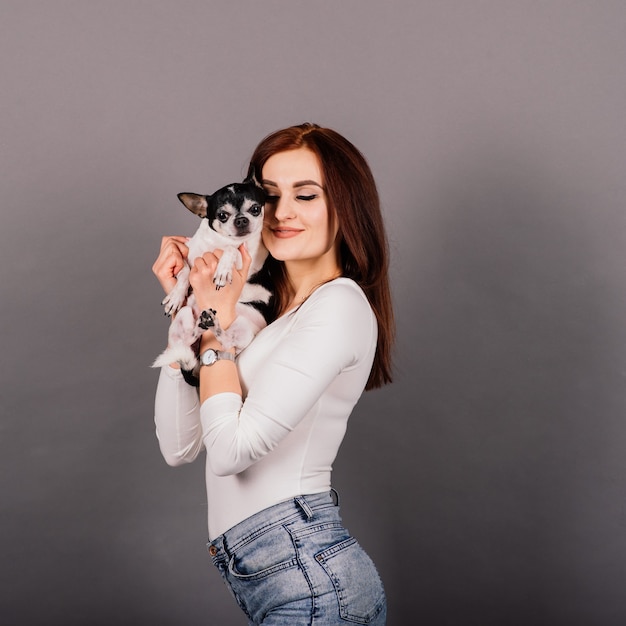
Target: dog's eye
x: 255, y: 210
x: 222, y: 216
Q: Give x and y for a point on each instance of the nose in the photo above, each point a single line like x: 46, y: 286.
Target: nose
x: 283, y: 210
x: 241, y: 221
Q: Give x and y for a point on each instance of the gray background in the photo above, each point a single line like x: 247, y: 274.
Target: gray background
x: 489, y: 481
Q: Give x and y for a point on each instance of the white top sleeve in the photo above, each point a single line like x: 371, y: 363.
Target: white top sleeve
x: 301, y: 376
x: 177, y: 418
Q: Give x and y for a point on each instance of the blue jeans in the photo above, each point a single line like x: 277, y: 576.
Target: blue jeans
x: 294, y: 564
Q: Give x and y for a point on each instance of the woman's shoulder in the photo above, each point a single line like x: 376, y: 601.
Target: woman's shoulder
x: 342, y: 297
x: 337, y: 313
x: 342, y: 290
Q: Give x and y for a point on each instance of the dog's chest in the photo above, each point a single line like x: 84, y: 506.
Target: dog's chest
x: 205, y: 240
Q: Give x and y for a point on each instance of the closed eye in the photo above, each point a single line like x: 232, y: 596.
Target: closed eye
x: 307, y: 198
x: 271, y: 199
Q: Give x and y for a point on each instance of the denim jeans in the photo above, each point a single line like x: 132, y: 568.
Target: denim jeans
x: 294, y: 564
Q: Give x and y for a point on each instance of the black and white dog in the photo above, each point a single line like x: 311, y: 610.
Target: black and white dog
x: 232, y: 215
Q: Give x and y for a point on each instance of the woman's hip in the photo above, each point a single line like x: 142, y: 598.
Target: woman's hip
x: 297, y: 559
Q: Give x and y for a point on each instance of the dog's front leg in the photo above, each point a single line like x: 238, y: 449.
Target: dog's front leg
x: 208, y: 321
x: 182, y: 335
x: 176, y: 298
x: 230, y: 258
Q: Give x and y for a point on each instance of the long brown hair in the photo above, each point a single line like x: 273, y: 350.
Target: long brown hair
x: 352, y: 198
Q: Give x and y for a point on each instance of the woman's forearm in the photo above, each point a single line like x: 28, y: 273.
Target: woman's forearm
x: 222, y: 376
x: 177, y: 418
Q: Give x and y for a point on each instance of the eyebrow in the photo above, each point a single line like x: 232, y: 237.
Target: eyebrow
x: 300, y: 183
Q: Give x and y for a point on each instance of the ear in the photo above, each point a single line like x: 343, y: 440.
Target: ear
x: 195, y: 203
x: 251, y: 177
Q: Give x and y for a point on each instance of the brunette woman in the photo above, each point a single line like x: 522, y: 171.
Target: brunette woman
x: 272, y: 421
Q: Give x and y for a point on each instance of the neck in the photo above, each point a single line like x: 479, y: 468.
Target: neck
x: 304, y: 278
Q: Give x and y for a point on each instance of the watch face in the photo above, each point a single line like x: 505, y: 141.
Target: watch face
x: 209, y: 357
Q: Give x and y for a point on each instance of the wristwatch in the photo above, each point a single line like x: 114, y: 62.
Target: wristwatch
x: 210, y: 356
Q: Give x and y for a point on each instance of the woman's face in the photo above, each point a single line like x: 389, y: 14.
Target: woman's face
x: 298, y: 227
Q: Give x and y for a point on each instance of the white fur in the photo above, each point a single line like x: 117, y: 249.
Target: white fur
x: 184, y: 330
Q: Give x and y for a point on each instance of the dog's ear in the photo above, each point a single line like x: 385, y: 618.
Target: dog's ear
x: 195, y: 203
x: 251, y: 177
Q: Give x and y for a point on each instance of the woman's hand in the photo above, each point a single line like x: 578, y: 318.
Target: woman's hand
x: 170, y: 261
x: 221, y: 300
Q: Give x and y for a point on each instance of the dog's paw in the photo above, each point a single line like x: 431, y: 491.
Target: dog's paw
x: 173, y: 302
x: 207, y: 319
x: 231, y: 257
x: 221, y: 279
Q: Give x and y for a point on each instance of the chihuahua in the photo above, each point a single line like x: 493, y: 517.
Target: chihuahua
x: 230, y: 216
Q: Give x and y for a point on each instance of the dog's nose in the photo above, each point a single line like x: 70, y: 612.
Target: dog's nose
x: 241, y: 221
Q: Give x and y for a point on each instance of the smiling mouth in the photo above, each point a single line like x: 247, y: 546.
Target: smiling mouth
x: 284, y: 233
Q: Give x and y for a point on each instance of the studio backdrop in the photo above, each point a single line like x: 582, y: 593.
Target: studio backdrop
x: 488, y: 481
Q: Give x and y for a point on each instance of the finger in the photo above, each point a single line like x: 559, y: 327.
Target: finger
x: 197, y: 268
x: 168, y: 264
x: 206, y: 263
x: 176, y: 250
x: 175, y: 244
x: 199, y: 263
x: 170, y: 260
x: 212, y: 257
x: 246, y: 259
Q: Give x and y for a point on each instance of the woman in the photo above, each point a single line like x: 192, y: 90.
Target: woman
x: 272, y: 423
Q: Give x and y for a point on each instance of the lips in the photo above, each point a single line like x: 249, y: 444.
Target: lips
x: 285, y: 233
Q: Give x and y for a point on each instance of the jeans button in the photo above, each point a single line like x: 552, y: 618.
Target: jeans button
x: 212, y: 550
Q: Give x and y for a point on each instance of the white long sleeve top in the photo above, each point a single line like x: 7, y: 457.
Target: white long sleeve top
x: 301, y: 377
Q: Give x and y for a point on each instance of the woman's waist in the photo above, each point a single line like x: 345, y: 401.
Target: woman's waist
x: 233, y: 499
x: 299, y: 507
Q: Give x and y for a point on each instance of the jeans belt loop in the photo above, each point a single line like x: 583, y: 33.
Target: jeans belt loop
x: 302, y: 503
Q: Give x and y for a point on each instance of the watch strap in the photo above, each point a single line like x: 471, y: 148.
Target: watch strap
x: 220, y: 355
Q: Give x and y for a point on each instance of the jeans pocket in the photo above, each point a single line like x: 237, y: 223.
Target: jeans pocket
x: 264, y: 574
x: 267, y: 554
x: 355, y: 579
